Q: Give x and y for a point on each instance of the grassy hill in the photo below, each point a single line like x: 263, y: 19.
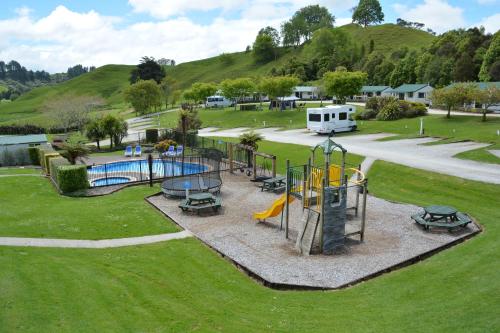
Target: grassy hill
x: 109, y: 81
x: 388, y: 37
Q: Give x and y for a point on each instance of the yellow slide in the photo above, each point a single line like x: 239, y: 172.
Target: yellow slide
x: 275, y: 209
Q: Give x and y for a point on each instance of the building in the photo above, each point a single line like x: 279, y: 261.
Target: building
x: 13, y: 148
x: 306, y: 92
x: 372, y: 91
x: 420, y: 93
x: 481, y: 86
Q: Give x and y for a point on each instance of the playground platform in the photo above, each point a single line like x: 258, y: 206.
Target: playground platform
x: 392, y: 239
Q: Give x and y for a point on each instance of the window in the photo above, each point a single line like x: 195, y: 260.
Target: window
x: 314, y: 117
x: 342, y: 115
x: 421, y: 95
x: 378, y: 93
x: 326, y: 117
x: 333, y: 115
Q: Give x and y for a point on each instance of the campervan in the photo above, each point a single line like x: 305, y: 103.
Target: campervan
x: 331, y: 119
x: 218, y: 102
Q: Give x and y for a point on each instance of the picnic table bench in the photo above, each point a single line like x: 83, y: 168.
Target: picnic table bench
x: 441, y: 216
x: 199, y: 201
x: 273, y: 184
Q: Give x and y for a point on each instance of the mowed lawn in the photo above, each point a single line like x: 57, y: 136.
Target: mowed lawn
x: 184, y: 286
x: 30, y: 207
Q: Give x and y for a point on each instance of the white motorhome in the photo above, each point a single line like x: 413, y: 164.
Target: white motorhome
x: 331, y: 119
x: 218, y: 101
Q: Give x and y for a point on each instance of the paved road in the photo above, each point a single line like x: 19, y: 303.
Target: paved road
x: 409, y: 152
x: 91, y: 244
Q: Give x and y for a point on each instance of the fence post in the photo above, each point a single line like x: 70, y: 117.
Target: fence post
x: 106, y: 173
x: 363, y: 213
x: 254, y: 165
x: 274, y: 166
x: 150, y: 164
x: 287, y: 202
x: 230, y: 158
x: 140, y: 169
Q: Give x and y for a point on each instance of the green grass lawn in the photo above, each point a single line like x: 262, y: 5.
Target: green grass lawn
x: 19, y: 171
x: 185, y: 286
x: 481, y: 155
x: 32, y: 208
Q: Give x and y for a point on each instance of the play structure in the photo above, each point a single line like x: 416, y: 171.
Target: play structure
x: 276, y: 208
x: 325, y: 191
x: 206, y: 178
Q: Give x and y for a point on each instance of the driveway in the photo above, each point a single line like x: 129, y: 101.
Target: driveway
x: 409, y: 152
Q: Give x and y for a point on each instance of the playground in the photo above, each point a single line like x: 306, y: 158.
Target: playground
x: 329, y: 234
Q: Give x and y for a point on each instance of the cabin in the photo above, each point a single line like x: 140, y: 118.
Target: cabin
x: 420, y: 93
x: 306, y: 92
x: 372, y: 91
x: 14, y: 148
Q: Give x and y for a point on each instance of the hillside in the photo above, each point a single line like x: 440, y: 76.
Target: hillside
x: 389, y: 37
x: 110, y: 80
x: 107, y: 82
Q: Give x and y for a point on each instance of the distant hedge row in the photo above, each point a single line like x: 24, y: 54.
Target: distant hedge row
x: 31, y: 129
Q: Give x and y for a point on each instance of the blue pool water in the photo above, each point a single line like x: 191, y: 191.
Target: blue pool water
x: 110, y: 181
x: 160, y: 169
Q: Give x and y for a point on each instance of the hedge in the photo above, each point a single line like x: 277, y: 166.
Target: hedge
x: 47, y: 157
x: 55, y: 163
x: 151, y: 135
x: 72, y: 178
x: 33, y: 154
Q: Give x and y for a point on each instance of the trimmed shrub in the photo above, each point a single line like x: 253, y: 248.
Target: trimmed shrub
x: 390, y: 111
x: 33, y: 154
x: 46, y: 160
x: 71, y: 178
x: 55, y: 163
x: 151, y: 135
x: 372, y: 104
x: 415, y: 110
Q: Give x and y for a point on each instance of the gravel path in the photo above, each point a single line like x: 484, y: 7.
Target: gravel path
x: 409, y: 152
x: 91, y: 244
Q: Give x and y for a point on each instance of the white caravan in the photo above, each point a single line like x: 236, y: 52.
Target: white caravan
x: 218, y: 102
x: 331, y: 119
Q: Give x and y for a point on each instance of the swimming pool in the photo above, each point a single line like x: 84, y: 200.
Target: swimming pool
x: 138, y: 170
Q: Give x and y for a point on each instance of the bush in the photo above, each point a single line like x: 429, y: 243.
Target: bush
x: 415, y: 110
x: 71, y: 178
x: 390, y: 111
x: 162, y: 146
x: 55, y: 163
x: 33, y: 155
x: 151, y: 135
x: 47, y: 158
x: 366, y: 115
x: 372, y: 104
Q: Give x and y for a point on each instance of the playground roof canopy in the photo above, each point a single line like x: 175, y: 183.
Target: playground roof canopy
x: 329, y: 146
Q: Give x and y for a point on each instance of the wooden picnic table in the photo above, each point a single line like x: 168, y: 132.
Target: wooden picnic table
x: 273, y: 184
x: 199, y: 201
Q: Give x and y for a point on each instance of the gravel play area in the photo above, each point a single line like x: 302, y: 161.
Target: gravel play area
x: 391, y: 238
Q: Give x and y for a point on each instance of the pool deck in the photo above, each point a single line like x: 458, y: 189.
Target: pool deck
x: 392, y: 239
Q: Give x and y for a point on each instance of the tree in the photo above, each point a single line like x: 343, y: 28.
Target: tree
x: 273, y: 33
x: 176, y: 96
x: 199, y: 92
x: 368, y: 12
x: 167, y: 86
x: 343, y: 84
x: 72, y: 111
x: 278, y: 86
x: 491, y: 57
x: 74, y: 152
x: 264, y: 48
x: 454, y: 96
x: 188, y: 120
x: 144, y: 96
x: 95, y: 132
x: 312, y: 18
x: 404, y: 72
x: 290, y: 33
x: 333, y: 43
x: 148, y: 69
x: 236, y: 89
x: 116, y: 128
x: 250, y: 139
x: 488, y: 97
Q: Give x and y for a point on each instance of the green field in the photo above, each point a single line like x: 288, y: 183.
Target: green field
x: 183, y: 285
x: 34, y: 209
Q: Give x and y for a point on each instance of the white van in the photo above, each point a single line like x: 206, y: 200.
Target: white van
x: 218, y: 102
x: 331, y: 119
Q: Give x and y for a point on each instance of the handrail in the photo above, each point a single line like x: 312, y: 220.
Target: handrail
x: 361, y: 179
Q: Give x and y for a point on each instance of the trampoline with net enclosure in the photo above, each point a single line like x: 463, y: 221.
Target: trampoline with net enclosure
x: 207, y: 180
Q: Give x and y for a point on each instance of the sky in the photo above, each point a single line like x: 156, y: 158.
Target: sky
x: 55, y: 34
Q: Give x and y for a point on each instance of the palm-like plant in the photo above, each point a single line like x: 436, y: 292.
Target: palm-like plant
x: 251, y: 139
x: 74, y: 152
